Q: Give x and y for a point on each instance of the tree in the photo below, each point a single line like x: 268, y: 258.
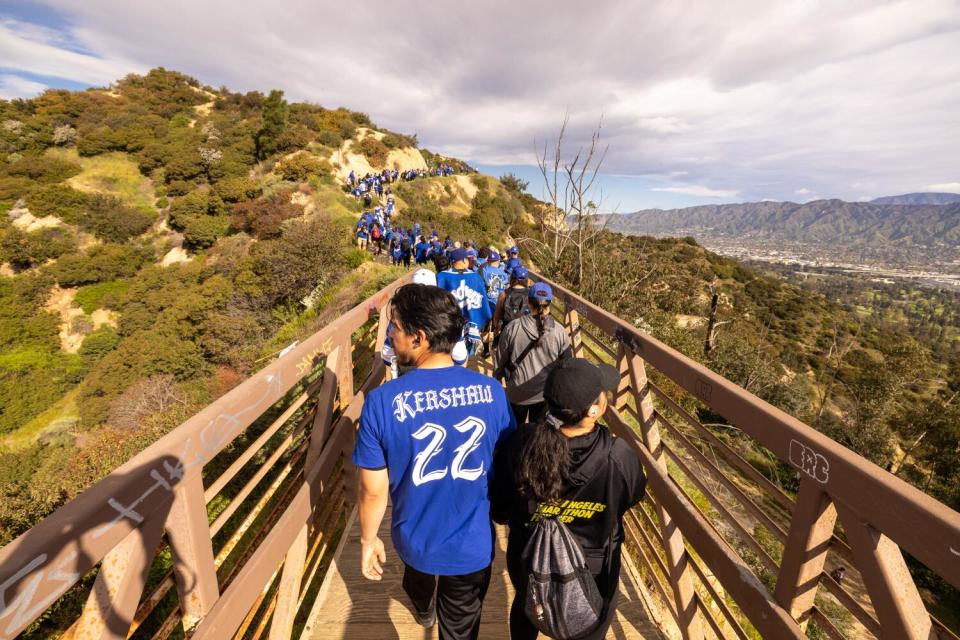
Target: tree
x: 274, y: 120
x: 569, y: 217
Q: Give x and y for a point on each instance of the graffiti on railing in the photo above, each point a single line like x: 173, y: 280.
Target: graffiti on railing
x: 21, y: 605
x: 809, y: 461
x: 309, y: 360
x: 211, y: 438
x: 703, y: 390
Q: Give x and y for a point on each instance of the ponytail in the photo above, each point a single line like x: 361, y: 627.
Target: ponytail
x: 544, y: 468
x: 541, y: 327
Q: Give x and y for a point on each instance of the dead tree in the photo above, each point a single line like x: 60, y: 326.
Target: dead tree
x: 710, y: 343
x: 570, y: 214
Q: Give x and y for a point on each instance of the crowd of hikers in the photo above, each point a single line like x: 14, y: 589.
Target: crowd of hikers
x: 455, y: 450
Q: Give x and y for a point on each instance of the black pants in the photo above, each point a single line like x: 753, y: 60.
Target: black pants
x: 459, y: 599
x: 520, y: 626
x: 525, y: 413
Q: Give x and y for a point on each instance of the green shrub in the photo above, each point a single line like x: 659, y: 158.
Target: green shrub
x: 58, y: 200
x: 112, y: 221
x: 263, y: 218
x: 162, y: 202
x: 94, y: 296
x: 237, y: 189
x: 98, y: 344
x: 355, y: 257
x: 42, y: 169
x: 195, y: 204
x: 375, y: 151
x: 202, y: 231
x: 398, y: 141
x: 301, y: 166
x: 105, y: 262
x: 12, y: 189
x: 24, y: 249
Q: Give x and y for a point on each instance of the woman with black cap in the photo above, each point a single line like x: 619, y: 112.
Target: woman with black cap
x: 567, y: 465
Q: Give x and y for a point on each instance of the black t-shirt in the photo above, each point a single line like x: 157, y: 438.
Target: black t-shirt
x: 584, y: 503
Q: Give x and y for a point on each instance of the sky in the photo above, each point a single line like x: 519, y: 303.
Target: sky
x: 697, y: 102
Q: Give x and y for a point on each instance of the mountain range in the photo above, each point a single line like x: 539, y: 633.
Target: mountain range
x: 919, y: 198
x: 826, y: 222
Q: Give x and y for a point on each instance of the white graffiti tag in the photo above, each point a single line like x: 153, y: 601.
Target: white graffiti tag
x: 809, y: 461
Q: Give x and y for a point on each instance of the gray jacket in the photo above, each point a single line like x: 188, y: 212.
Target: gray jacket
x: 525, y: 385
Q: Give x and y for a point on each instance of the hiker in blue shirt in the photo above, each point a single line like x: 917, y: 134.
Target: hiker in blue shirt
x: 421, y: 248
x: 426, y: 441
x: 513, y: 261
x: 395, y: 251
x: 389, y: 355
x: 495, y: 280
x: 469, y: 290
x: 352, y: 178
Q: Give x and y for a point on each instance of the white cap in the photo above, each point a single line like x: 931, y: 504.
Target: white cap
x: 425, y: 276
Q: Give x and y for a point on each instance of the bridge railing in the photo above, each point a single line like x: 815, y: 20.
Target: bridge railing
x: 732, y: 553
x: 222, y: 528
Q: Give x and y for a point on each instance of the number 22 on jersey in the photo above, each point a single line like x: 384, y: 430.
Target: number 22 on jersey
x: 436, y: 436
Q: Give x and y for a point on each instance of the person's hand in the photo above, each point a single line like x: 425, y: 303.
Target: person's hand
x: 372, y: 557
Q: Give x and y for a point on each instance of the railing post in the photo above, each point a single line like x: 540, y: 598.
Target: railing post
x: 323, y: 418
x: 345, y: 376
x: 681, y: 574
x: 894, y: 595
x: 112, y: 603
x: 382, y: 323
x: 805, y: 551
x: 188, y: 532
x: 281, y: 627
x: 345, y: 370
x: 572, y: 322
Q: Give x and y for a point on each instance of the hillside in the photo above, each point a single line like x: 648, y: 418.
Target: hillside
x: 919, y: 198
x: 157, y: 239
x: 927, y: 230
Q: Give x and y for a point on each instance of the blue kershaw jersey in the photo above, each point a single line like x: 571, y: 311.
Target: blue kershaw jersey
x: 435, y: 431
x: 471, y: 294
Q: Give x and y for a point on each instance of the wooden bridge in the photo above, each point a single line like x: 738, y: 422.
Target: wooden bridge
x: 240, y: 523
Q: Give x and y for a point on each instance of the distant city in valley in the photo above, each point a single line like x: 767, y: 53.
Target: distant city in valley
x: 913, y: 237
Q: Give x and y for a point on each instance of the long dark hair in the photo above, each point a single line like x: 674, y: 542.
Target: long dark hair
x: 544, y: 467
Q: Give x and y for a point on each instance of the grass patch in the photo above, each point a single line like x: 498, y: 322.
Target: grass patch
x: 112, y: 173
x: 26, y: 436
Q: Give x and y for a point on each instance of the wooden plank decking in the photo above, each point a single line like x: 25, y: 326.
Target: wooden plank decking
x: 350, y: 606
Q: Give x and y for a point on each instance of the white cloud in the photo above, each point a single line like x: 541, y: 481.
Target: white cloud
x: 699, y: 191
x: 12, y: 86
x: 803, y: 191
x: 45, y: 52
x: 764, y: 97
x: 949, y: 187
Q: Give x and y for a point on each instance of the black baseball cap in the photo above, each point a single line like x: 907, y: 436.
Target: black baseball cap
x: 574, y: 384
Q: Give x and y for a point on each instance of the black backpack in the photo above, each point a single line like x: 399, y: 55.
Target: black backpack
x: 405, y: 245
x: 515, y: 304
x: 563, y: 600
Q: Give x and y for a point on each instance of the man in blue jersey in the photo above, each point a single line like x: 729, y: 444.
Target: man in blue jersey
x: 495, y: 280
x: 469, y: 290
x: 427, y: 439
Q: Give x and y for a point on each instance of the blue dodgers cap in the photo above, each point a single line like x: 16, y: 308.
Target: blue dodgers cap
x: 458, y: 254
x: 520, y: 273
x: 514, y: 250
x: 493, y: 257
x: 541, y: 292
